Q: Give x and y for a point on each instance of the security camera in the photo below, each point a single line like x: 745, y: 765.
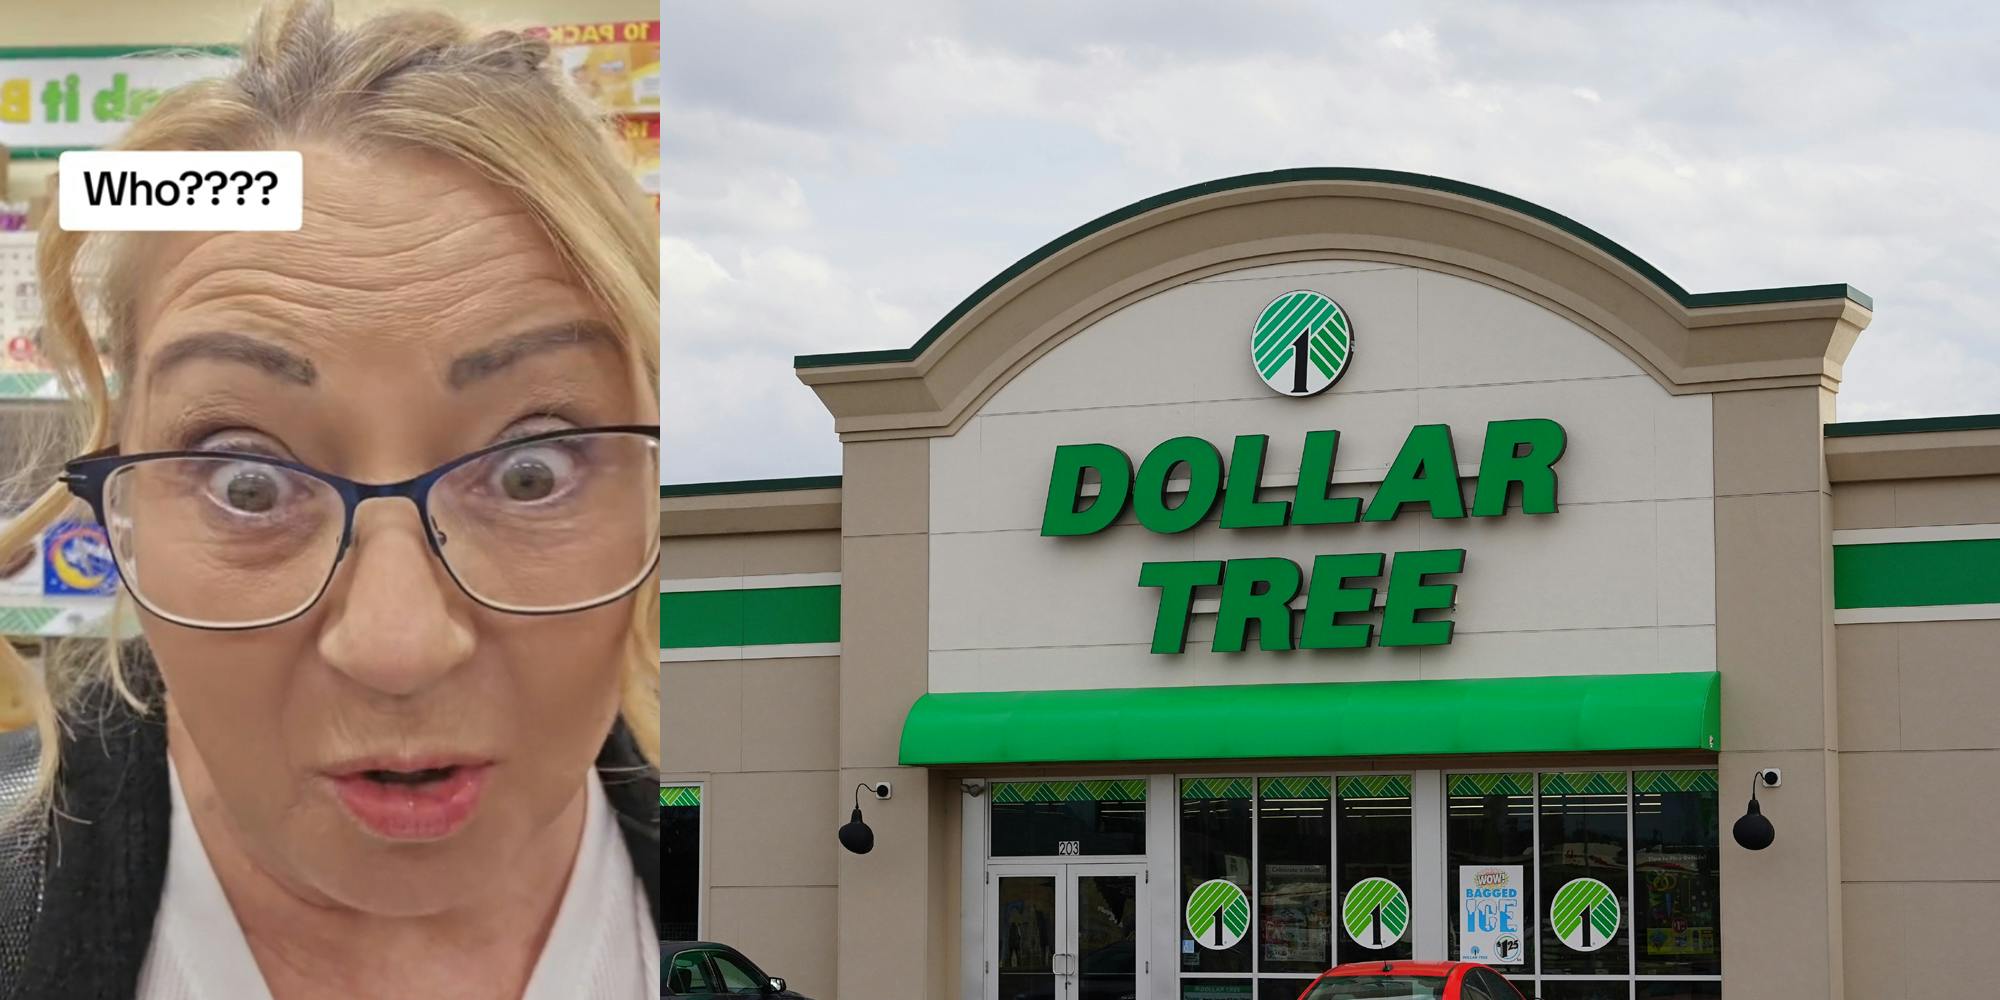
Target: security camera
x: 1754, y: 831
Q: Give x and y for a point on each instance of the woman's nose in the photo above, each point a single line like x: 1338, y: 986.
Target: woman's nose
x: 394, y: 620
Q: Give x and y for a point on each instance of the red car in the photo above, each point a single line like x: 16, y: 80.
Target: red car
x: 1411, y: 981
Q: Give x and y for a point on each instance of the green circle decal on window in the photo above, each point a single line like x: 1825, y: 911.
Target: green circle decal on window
x: 1218, y: 914
x: 1376, y: 913
x: 1301, y: 343
x: 1584, y: 914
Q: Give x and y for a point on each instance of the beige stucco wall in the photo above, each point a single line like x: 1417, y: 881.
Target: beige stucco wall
x: 1914, y: 503
x: 1920, y: 769
x: 1781, y: 909
x: 1781, y: 912
x: 762, y: 737
x: 891, y: 904
x: 1537, y: 595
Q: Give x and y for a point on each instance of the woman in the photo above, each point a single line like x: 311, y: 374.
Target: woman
x: 381, y: 491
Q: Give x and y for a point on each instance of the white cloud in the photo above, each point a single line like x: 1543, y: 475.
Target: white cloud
x: 776, y: 298
x: 876, y: 165
x: 740, y: 416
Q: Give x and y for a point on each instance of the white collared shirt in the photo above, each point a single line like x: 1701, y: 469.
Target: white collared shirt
x: 602, y: 944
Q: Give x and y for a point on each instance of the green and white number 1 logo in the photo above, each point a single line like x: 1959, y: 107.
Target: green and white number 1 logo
x: 1376, y: 913
x: 1301, y: 343
x: 1584, y: 914
x: 1218, y: 914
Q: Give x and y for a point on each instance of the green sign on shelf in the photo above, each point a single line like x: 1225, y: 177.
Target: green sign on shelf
x: 26, y: 385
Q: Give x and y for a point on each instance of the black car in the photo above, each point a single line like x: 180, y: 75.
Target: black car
x: 699, y: 970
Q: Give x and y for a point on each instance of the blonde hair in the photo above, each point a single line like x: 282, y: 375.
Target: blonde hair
x: 399, y: 81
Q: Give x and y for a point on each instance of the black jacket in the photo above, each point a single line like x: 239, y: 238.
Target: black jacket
x: 77, y: 903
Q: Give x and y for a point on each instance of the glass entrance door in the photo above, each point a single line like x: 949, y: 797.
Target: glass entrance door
x: 1105, y: 901
x: 1066, y: 932
x: 1025, y: 923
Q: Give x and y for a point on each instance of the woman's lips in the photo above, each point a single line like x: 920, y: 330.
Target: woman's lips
x: 412, y: 804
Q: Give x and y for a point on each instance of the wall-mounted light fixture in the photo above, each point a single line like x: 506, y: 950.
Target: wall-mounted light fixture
x: 856, y: 836
x: 1753, y: 831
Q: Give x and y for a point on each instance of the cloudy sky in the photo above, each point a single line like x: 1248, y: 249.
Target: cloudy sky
x: 839, y: 175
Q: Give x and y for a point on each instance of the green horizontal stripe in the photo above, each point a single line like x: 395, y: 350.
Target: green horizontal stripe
x: 1917, y: 574
x: 675, y: 490
x: 1545, y: 715
x: 23, y: 385
x: 14, y: 52
x: 1215, y: 788
x: 1370, y: 786
x: 1517, y: 783
x: 1584, y: 783
x: 1914, y: 425
x: 1665, y: 782
x: 1117, y: 790
x: 1295, y: 788
x: 26, y: 621
x: 762, y: 617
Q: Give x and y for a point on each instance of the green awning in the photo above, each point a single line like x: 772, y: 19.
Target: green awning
x: 1621, y: 712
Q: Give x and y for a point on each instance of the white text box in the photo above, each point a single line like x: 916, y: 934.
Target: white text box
x: 150, y: 191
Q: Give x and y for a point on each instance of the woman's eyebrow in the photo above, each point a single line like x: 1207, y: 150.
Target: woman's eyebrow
x: 489, y: 360
x: 223, y: 346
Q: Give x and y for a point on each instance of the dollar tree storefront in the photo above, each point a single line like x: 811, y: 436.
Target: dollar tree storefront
x: 1330, y: 566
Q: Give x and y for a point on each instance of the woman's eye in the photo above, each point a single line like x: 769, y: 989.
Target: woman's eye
x: 533, y: 474
x: 247, y: 488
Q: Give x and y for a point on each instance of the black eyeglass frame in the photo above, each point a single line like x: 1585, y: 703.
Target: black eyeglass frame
x: 87, y: 476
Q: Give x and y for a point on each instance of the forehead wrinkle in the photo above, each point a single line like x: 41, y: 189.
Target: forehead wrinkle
x: 452, y: 291
x: 426, y: 235
x: 261, y: 313
x: 318, y: 261
x: 433, y: 264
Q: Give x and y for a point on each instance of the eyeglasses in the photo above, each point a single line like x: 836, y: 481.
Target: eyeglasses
x: 539, y: 525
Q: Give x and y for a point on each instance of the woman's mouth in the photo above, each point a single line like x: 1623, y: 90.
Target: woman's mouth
x: 411, y: 802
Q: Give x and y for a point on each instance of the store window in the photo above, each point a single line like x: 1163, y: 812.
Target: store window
x: 1622, y: 871
x: 1294, y: 887
x: 680, y: 856
x: 1036, y: 819
x: 1324, y: 864
x: 1678, y: 878
x: 1583, y: 889
x: 1489, y: 824
x: 1372, y: 838
x: 1216, y: 837
x: 1609, y: 879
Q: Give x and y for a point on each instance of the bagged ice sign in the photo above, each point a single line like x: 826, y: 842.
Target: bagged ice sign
x: 1491, y: 914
